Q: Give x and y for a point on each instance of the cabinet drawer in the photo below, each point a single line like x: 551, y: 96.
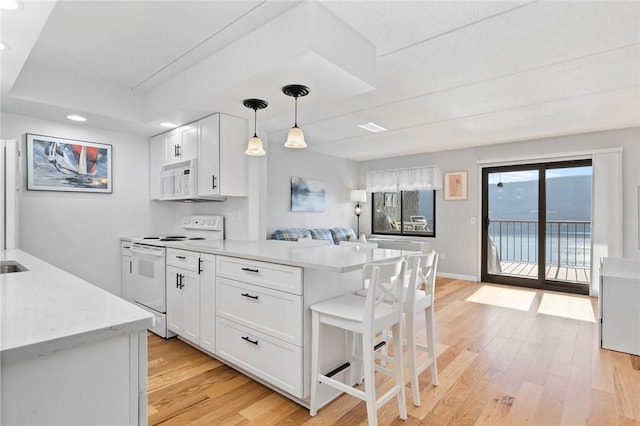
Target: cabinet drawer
x: 268, y: 358
x: 275, y: 313
x: 125, y: 248
x: 265, y: 274
x: 183, y: 259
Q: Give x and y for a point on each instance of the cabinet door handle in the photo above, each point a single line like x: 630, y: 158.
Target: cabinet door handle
x: 250, y: 296
x: 199, y: 266
x: 175, y: 151
x: 180, y: 285
x: 250, y: 270
x: 246, y: 339
x: 177, y: 280
x: 180, y: 257
x: 213, y: 181
x: 131, y: 266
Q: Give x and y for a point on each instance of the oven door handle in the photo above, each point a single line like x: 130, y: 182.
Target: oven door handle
x: 147, y: 251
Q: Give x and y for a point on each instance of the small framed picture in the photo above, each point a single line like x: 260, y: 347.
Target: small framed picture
x: 455, y: 186
x: 58, y: 164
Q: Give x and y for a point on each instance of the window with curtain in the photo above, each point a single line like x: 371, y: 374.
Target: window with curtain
x: 404, y: 200
x: 409, y: 213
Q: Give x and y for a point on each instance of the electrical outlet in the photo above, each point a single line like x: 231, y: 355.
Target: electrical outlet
x: 472, y: 220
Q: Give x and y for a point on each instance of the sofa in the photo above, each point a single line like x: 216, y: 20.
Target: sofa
x: 333, y: 235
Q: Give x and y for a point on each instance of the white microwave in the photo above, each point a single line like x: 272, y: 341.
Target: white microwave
x: 179, y: 180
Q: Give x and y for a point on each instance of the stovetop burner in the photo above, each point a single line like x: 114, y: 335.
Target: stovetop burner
x: 192, y: 228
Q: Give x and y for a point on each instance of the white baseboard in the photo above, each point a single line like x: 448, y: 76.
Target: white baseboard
x: 457, y: 276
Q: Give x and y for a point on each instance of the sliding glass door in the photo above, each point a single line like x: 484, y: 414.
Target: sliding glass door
x: 537, y: 225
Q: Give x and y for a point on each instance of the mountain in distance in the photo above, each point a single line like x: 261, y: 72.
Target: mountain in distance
x: 568, y: 198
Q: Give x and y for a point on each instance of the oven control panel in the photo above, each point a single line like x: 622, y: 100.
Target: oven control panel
x: 205, y: 223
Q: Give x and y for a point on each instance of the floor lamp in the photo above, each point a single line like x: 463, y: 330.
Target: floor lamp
x: 358, y: 196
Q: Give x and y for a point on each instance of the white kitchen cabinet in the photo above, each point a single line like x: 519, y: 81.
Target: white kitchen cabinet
x: 218, y: 142
x: 619, y: 301
x: 156, y: 161
x: 183, y: 294
x: 259, y: 311
x: 270, y: 359
x: 181, y: 144
x: 222, y: 163
x: 272, y: 312
x: 208, y: 302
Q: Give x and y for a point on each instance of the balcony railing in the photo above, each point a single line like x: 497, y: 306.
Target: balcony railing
x: 567, y: 243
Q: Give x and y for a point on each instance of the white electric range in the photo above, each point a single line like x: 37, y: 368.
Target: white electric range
x: 146, y: 284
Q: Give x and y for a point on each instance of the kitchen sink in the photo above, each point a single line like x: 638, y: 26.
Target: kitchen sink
x: 9, y: 266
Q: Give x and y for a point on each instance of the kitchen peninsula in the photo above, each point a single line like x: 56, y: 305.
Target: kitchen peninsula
x: 258, y: 295
x: 71, y: 352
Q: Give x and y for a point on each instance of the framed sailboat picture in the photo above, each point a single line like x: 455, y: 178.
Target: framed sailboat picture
x: 58, y: 164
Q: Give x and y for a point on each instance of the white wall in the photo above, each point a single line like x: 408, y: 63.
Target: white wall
x: 79, y: 232
x: 339, y: 176
x: 458, y: 238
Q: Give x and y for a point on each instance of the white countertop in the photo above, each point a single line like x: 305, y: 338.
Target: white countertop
x: 621, y: 268
x: 46, y: 309
x: 324, y: 257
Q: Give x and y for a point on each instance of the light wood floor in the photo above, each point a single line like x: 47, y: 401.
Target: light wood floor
x: 497, y: 365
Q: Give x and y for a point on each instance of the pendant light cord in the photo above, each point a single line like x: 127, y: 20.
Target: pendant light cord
x: 255, y: 122
x: 295, y: 124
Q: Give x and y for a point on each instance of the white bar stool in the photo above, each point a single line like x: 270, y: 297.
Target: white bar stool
x: 422, y: 271
x: 365, y: 316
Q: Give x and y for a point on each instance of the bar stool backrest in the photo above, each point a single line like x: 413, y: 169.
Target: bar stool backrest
x: 385, y: 285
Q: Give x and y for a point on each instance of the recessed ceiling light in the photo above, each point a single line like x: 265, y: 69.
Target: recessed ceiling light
x: 4, y: 46
x: 168, y: 124
x: 9, y: 4
x: 75, y: 117
x: 372, y: 127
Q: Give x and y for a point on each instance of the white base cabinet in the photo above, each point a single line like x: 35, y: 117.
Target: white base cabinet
x: 95, y: 383
x: 256, y: 317
x: 183, y: 294
x: 191, y: 297
x: 619, y: 302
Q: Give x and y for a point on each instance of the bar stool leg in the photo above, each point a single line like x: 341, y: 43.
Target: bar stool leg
x: 428, y: 314
x: 315, y: 361
x: 369, y: 378
x: 410, y: 326
x: 397, y: 354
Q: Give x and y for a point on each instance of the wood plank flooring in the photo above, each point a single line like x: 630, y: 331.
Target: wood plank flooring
x: 497, y: 366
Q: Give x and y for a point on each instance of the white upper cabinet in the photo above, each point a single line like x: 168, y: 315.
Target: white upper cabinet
x: 222, y: 163
x: 218, y: 142
x: 181, y: 144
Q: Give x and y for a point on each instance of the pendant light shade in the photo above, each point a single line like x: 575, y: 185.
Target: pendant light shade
x: 254, y: 146
x: 295, y: 138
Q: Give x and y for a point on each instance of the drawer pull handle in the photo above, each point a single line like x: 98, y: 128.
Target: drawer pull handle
x: 250, y: 270
x: 246, y: 338
x: 250, y: 296
x: 180, y: 257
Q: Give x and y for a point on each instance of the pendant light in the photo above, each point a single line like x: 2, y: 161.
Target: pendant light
x: 254, y: 146
x: 500, y: 184
x: 295, y: 138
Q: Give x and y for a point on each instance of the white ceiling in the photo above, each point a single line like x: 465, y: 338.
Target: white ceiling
x: 437, y: 74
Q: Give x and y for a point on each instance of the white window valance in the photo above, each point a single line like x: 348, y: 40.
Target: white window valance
x: 409, y: 179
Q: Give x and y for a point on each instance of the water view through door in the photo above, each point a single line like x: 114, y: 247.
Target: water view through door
x: 537, y: 225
